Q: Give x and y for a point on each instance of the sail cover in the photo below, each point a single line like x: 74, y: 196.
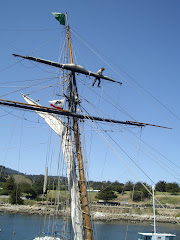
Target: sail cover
x: 59, y: 127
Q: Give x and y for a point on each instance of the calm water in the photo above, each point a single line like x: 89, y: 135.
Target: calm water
x: 27, y: 227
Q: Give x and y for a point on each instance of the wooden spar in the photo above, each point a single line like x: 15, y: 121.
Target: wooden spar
x: 82, y: 180
x: 147, y: 124
x: 64, y: 112
x: 70, y: 67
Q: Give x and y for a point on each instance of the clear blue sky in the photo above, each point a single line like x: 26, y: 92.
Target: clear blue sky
x: 141, y: 37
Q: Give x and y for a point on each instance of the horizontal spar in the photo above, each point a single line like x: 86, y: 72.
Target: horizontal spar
x: 71, y: 67
x: 70, y: 114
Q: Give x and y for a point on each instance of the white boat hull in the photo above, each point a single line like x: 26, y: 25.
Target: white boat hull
x: 156, y: 236
x: 47, y: 238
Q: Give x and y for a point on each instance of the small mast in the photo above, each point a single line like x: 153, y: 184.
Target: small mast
x: 69, y: 39
x: 153, y: 188
x: 45, y: 181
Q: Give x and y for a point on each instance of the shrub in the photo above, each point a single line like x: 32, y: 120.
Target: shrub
x: 15, y: 197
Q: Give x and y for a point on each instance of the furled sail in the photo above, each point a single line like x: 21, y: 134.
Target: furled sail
x: 60, y: 128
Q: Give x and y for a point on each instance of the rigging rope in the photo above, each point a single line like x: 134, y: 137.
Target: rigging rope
x: 133, y: 140
x: 125, y: 162
x: 77, y: 35
x: 119, y: 108
x: 152, y: 158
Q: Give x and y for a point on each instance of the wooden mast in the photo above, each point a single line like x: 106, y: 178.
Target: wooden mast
x: 82, y: 180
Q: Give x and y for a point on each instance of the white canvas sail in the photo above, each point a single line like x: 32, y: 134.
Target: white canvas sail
x: 59, y: 127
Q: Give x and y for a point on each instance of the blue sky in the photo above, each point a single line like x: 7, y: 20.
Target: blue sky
x: 142, y: 40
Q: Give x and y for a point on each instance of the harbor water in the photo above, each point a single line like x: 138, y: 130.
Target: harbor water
x: 24, y: 227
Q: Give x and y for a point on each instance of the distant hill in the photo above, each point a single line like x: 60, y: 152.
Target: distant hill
x: 9, y: 171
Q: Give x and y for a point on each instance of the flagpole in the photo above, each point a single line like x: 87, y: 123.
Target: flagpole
x: 69, y: 40
x: 66, y: 20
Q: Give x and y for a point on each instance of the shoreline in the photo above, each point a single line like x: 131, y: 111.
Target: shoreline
x: 96, y: 215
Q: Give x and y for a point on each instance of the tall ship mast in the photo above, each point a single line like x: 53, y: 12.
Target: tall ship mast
x: 73, y: 95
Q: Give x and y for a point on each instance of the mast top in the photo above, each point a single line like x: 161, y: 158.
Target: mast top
x: 67, y: 23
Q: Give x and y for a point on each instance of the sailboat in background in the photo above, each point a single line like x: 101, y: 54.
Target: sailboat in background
x: 155, y: 235
x: 68, y: 131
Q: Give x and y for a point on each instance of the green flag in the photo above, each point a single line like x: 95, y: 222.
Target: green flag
x: 60, y: 17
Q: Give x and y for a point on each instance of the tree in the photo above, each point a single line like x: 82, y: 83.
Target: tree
x: 2, y: 178
x: 137, y: 196
x: 138, y: 186
x: 32, y: 193
x: 9, y: 184
x: 38, y: 184
x: 140, y: 192
x: 26, y: 188
x: 128, y: 186
x: 15, y: 197
x: 119, y: 188
x: 173, y: 188
x: 3, y: 174
x: 161, y: 186
x: 106, y: 194
x: 145, y: 193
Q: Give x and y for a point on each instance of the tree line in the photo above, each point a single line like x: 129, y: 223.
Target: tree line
x: 108, y: 190
x: 161, y: 186
x: 31, y: 191
x: 138, y: 192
